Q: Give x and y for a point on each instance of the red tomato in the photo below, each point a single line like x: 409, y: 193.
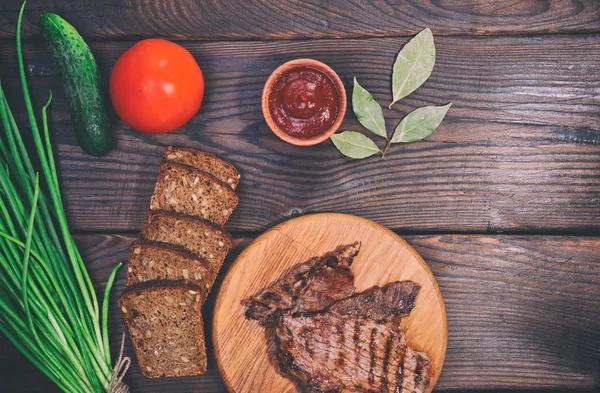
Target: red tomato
x: 156, y: 86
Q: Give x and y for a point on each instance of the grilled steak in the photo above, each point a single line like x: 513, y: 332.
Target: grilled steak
x: 310, y: 286
x: 395, y: 299
x: 328, y: 352
x: 331, y: 341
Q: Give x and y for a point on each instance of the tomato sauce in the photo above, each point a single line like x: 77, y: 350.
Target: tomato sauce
x: 304, y: 102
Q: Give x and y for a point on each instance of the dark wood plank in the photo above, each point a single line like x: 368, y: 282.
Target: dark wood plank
x: 305, y: 19
x: 523, y: 313
x: 519, y: 151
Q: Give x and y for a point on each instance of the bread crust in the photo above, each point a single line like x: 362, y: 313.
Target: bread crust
x: 184, y: 189
x: 164, y: 213
x: 207, y: 162
x: 148, y: 328
x: 221, y: 243
x: 183, y: 265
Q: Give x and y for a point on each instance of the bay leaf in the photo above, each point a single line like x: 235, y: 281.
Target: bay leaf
x: 413, y: 65
x: 419, y: 123
x: 367, y: 110
x: 354, y: 144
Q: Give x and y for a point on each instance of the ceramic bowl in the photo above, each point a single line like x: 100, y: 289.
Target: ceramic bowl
x: 310, y: 63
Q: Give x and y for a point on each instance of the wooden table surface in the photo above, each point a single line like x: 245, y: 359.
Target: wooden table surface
x: 503, y: 201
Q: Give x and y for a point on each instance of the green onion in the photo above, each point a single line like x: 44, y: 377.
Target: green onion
x: 48, y: 306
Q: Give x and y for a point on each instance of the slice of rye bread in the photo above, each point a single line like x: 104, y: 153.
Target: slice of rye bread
x: 195, y: 235
x: 166, y: 328
x: 220, y: 169
x: 151, y: 261
x: 185, y: 189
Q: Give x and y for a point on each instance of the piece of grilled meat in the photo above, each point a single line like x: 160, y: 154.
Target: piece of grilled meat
x: 355, y: 345
x: 310, y: 286
x: 394, y: 300
x: 331, y: 341
x: 329, y: 352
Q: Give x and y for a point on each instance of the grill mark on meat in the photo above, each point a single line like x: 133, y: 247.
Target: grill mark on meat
x: 418, y: 372
x: 384, y: 333
x: 395, y: 360
x: 340, y: 360
x: 386, y: 362
x: 372, y: 348
x: 421, y: 372
x: 410, y: 363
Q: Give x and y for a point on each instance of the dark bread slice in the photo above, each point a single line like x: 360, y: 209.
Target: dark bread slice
x: 151, y: 261
x: 195, y: 235
x: 220, y: 169
x: 185, y: 189
x: 166, y: 328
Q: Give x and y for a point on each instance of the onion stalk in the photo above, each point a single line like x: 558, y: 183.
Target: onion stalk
x: 48, y: 305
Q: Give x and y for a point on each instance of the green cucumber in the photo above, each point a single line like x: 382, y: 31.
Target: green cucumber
x: 82, y: 83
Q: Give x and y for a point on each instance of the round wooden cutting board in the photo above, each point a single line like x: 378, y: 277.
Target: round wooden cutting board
x: 243, y: 355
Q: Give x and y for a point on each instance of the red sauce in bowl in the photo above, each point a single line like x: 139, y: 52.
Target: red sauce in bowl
x: 304, y: 102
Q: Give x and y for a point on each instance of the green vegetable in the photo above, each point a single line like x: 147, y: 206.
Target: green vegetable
x: 411, y: 69
x: 354, y: 144
x: 48, y: 306
x: 413, y: 65
x: 419, y: 123
x: 82, y: 82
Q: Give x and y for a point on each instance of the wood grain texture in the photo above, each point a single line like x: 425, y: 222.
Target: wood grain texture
x: 292, y: 19
x: 245, y: 358
x: 519, y: 150
x: 523, y: 313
